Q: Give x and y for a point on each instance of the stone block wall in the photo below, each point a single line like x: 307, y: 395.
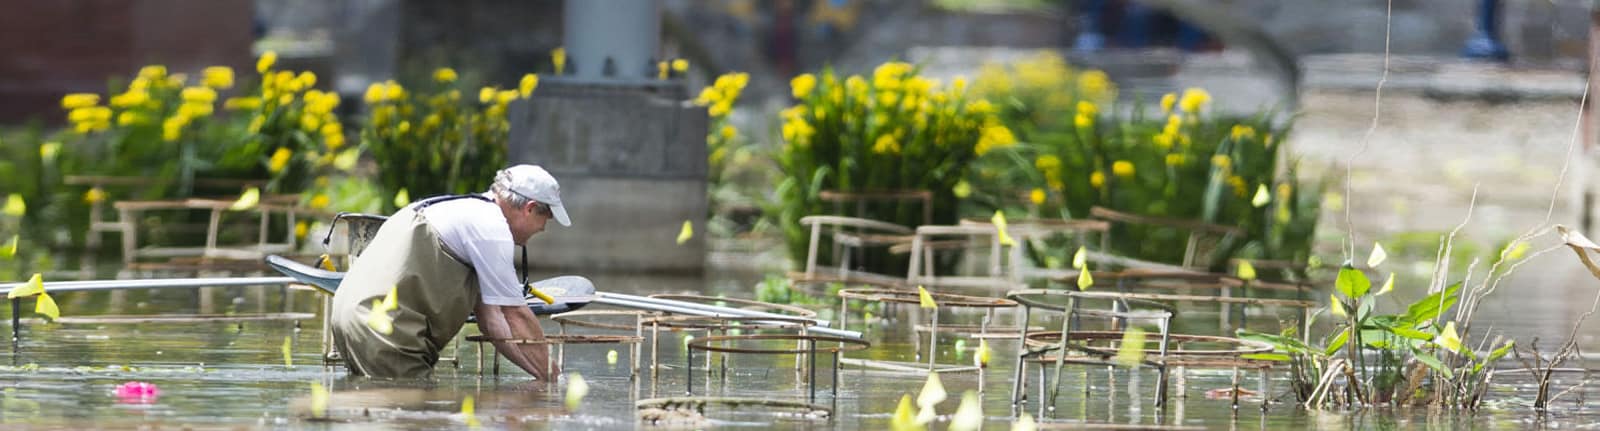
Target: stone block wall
x: 56, y: 47
x: 631, y: 161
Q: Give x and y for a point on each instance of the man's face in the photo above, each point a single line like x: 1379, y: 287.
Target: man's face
x: 528, y: 220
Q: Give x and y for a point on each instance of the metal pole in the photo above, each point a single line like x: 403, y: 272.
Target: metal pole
x: 16, y: 328
x: 703, y: 307
x: 655, y: 354
x: 612, y: 299
x: 1061, y: 356
x: 933, y: 338
x: 812, y: 381
x: 633, y: 353
x: 836, y: 355
x: 1019, y: 379
x: 95, y: 285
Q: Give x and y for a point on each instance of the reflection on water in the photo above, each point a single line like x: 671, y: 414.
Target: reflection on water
x: 229, y: 374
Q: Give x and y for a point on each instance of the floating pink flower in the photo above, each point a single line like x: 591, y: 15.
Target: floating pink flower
x: 138, y: 392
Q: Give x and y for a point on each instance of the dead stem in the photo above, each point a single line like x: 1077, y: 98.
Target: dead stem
x: 1441, y: 262
x: 1325, y: 382
x: 1366, y: 139
x: 1544, y: 371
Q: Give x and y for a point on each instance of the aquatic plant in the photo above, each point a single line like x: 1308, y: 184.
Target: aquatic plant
x: 150, y: 127
x: 1417, y: 357
x: 739, y: 172
x: 294, y: 132
x: 1079, y: 150
x: 723, y: 140
x: 430, y: 141
x: 1543, y: 367
x: 893, y: 130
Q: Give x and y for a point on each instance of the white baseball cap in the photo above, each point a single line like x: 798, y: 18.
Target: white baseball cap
x: 533, y: 182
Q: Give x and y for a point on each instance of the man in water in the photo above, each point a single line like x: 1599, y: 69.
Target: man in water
x: 445, y: 258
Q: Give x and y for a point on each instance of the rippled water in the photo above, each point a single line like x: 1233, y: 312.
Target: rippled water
x: 231, y: 374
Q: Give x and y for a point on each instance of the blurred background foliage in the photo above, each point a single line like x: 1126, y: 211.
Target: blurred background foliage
x: 1081, y: 150
x: 893, y: 131
x: 164, y: 135
x: 1037, y: 138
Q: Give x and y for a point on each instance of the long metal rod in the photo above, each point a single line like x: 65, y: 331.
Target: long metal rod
x: 620, y: 300
x: 612, y: 299
x: 92, y: 285
x: 704, y: 307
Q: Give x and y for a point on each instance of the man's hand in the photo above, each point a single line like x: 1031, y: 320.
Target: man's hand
x: 513, y: 323
x: 526, y: 326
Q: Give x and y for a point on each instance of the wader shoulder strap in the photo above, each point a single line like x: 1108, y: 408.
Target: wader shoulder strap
x: 446, y: 198
x: 425, y: 203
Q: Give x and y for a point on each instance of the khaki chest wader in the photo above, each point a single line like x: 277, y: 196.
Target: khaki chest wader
x: 435, y: 292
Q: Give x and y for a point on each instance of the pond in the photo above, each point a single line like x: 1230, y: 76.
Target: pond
x: 228, y: 374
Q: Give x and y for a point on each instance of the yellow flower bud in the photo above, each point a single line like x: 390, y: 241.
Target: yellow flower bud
x: 217, y: 77
x: 393, y: 91
x: 94, y: 195
x: 79, y: 100
x: 375, y: 94
x: 199, y: 95
x: 802, y: 85
x: 1193, y: 99
x: 1221, y: 161
x: 528, y: 84
x: 444, y: 75
x: 886, y: 144
x: 1122, y: 168
x: 558, y: 58
x: 279, y: 160
x: 241, y: 103
x: 265, y: 62
x: 506, y: 96
x: 306, y: 79
x: 172, y: 128
x: 131, y: 98
x: 155, y: 72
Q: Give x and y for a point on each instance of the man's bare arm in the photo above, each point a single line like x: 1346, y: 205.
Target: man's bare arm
x: 525, y: 325
x: 492, y: 321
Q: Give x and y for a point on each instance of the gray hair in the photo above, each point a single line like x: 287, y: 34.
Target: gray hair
x: 501, y: 188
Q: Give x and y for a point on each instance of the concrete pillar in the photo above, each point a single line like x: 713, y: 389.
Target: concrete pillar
x: 628, y: 149
x: 612, y: 39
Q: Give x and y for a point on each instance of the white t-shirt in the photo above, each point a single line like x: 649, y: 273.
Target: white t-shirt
x: 476, y: 231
